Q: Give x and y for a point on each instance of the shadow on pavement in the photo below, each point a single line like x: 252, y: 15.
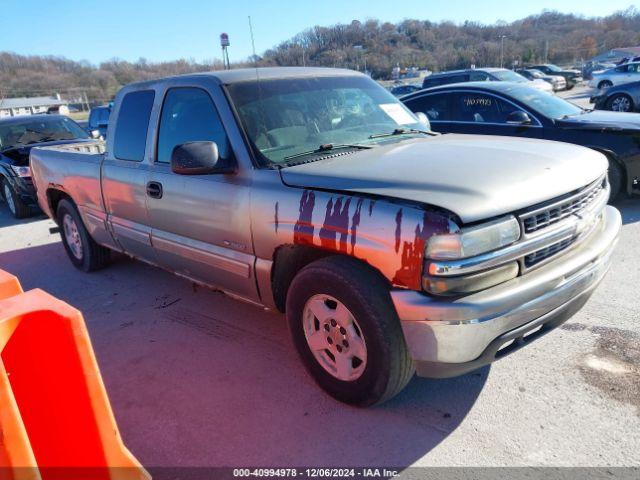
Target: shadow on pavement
x: 198, y: 379
x: 8, y: 220
x: 629, y: 208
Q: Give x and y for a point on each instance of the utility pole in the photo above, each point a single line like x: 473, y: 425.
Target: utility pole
x: 502, y: 37
x: 224, y: 43
x: 546, y: 51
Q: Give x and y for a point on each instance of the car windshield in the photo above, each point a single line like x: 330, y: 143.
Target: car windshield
x: 548, y: 105
x: 509, y: 76
x: 306, y: 116
x: 38, y: 129
x: 536, y: 73
x: 554, y: 68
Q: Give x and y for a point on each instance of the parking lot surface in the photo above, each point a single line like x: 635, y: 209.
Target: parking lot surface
x: 198, y: 379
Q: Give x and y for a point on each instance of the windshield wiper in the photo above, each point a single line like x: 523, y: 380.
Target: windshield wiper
x: 327, y: 147
x: 400, y: 131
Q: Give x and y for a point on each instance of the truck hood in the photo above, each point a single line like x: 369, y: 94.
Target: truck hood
x: 602, y: 120
x: 476, y: 177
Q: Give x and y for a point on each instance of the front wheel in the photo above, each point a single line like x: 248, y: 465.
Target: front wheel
x: 620, y: 102
x: 346, y: 331
x: 83, y: 251
x: 615, y: 180
x: 16, y: 206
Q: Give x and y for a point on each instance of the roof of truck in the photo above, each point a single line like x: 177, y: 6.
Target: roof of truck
x: 272, y: 73
x: 251, y: 74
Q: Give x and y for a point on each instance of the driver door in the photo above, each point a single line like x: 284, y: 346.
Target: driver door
x: 199, y: 223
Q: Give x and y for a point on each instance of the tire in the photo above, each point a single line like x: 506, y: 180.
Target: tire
x: 604, y: 84
x: 569, y: 86
x: 616, y: 178
x: 16, y: 206
x: 387, y: 366
x: 620, y: 102
x: 89, y: 256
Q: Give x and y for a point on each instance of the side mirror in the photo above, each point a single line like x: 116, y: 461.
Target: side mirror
x: 95, y: 134
x: 424, y: 120
x: 519, y: 118
x: 198, y: 158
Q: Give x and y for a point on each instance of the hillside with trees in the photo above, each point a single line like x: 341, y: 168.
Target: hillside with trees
x: 559, y: 38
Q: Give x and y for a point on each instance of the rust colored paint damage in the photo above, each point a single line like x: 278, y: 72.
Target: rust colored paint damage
x: 410, y: 272
x: 336, y: 221
x: 398, y: 229
x: 303, y: 229
x: 355, y: 222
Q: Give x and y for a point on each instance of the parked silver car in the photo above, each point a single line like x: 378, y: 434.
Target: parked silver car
x: 626, y: 73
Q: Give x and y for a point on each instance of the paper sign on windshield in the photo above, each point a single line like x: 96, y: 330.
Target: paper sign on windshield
x: 397, y: 113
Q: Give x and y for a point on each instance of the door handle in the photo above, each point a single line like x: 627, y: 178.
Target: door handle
x: 154, y: 189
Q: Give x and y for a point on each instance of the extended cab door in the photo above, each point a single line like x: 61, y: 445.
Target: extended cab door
x: 124, y: 175
x: 200, y: 223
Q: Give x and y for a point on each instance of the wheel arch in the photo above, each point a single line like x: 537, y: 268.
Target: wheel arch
x: 54, y: 196
x: 611, y: 156
x: 289, y: 259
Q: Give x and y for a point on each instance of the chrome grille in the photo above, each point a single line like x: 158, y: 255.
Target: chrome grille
x: 544, y: 253
x: 558, y: 210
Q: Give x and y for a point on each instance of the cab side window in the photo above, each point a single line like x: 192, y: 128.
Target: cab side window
x: 133, y: 121
x: 480, y: 108
x: 435, y: 107
x: 189, y: 115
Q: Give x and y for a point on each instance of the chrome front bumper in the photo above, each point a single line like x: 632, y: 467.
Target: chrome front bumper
x: 448, y: 337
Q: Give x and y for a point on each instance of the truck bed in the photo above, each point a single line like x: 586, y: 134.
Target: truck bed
x: 75, y: 168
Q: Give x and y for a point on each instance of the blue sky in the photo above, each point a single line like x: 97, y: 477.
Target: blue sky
x: 171, y: 29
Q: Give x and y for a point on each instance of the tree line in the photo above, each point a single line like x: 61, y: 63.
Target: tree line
x: 551, y: 36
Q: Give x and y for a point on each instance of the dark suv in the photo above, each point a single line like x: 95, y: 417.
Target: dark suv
x: 99, y: 120
x: 472, y: 75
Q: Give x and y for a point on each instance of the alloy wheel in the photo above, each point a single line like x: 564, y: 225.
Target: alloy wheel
x: 8, y: 196
x: 334, y: 337
x: 72, y: 236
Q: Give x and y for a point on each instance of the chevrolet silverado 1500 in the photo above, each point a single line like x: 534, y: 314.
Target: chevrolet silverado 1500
x: 391, y: 249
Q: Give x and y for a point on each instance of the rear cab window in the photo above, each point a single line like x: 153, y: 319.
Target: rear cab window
x: 130, y: 138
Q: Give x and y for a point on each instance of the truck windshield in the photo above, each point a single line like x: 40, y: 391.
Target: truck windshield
x: 294, y: 117
x: 548, y: 105
x: 38, y: 129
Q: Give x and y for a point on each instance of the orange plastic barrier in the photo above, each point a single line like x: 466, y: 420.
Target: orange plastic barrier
x: 55, y: 418
x: 9, y: 285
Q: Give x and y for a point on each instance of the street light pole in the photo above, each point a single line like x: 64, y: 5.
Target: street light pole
x: 502, y: 37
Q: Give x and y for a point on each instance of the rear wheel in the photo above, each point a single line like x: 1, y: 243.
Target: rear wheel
x: 604, y: 84
x: 620, y: 102
x: 347, y: 332
x: 82, y: 250
x: 16, y: 206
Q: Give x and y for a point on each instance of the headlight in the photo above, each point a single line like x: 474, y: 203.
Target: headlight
x: 21, y: 171
x: 473, y: 241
